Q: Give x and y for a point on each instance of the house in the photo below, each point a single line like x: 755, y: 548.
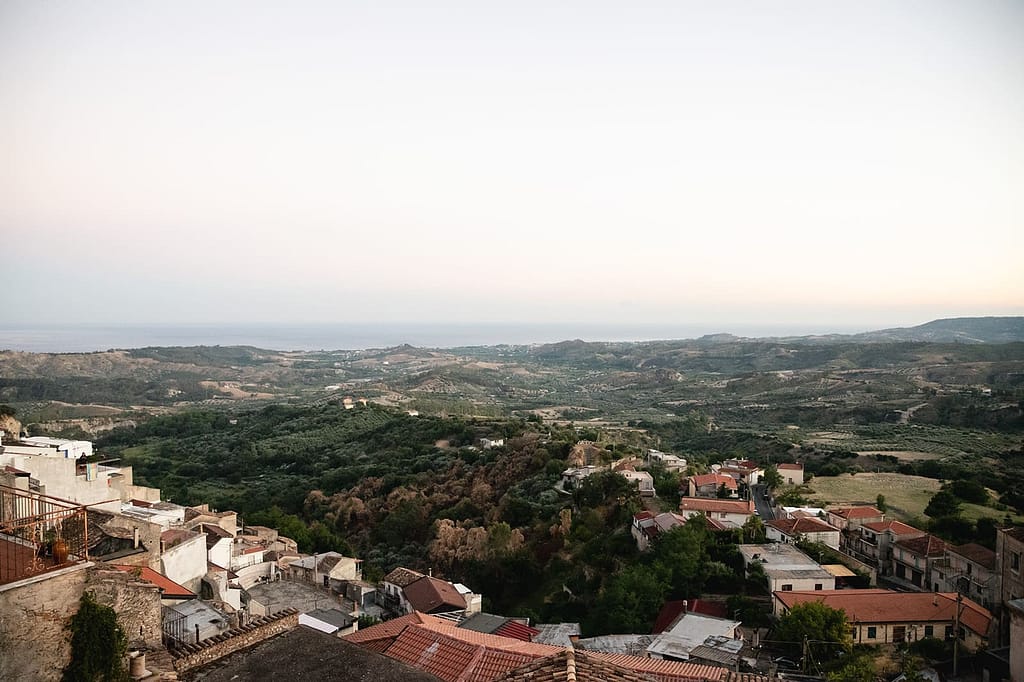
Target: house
x: 873, y: 542
x: 331, y: 621
x: 691, y: 630
x: 62, y: 469
x: 572, y: 477
x: 743, y: 470
x: 805, y: 528
x: 851, y: 518
x: 488, y: 443
x: 887, y: 617
x: 183, y: 557
x: 218, y: 545
x: 391, y: 593
x: 670, y: 462
x: 709, y: 485
x: 970, y: 570
x: 1010, y: 571
x: 786, y: 568
x: 642, y: 479
x: 326, y: 568
x: 803, y: 513
x: 914, y: 560
x: 434, y: 596
x: 792, y: 474
x: 647, y: 526
x: 724, y: 512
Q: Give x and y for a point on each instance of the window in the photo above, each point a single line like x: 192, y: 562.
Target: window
x: 787, y: 588
x: 872, y: 632
x: 817, y: 586
x: 949, y: 632
x: 969, y: 567
x: 1015, y: 562
x: 929, y: 630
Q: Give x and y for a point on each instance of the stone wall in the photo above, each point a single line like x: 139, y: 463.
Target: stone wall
x: 136, y: 602
x: 34, y: 640
x: 34, y: 643
x: 191, y: 656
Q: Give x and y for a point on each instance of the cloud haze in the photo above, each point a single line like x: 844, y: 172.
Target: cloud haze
x: 521, y: 161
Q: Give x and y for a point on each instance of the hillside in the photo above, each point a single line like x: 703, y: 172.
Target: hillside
x: 954, y: 330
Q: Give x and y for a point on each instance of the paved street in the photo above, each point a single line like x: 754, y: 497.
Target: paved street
x: 762, y: 505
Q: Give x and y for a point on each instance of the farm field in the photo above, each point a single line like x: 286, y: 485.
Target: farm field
x: 906, y: 496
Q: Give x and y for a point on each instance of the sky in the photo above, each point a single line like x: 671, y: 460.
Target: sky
x: 841, y: 164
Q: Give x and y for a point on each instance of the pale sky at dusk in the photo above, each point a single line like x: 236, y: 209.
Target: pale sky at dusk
x: 847, y: 163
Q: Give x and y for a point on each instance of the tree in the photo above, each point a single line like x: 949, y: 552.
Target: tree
x: 753, y: 530
x: 814, y: 621
x: 98, y: 644
x: 880, y: 503
x: 943, y: 503
x: 772, y: 477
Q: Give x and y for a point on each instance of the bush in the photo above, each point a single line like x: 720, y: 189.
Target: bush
x: 98, y: 644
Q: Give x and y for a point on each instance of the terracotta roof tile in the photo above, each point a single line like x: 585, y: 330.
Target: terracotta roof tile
x: 715, y: 479
x: 791, y: 467
x: 850, y: 513
x: 926, y: 546
x: 661, y: 669
x: 976, y: 553
x: 389, y: 629
x: 896, y: 527
x: 801, y: 524
x: 430, y: 595
x: 168, y: 588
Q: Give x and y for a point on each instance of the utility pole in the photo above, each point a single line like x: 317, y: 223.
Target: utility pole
x: 805, y: 658
x: 956, y: 630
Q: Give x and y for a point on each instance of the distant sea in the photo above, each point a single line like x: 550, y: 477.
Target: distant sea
x: 85, y: 339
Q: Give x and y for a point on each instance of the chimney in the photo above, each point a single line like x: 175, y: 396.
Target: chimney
x: 135, y: 533
x: 430, y: 572
x: 574, y: 639
x: 686, y: 604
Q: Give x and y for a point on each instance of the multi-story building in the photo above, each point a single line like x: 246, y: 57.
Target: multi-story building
x: 914, y: 561
x: 970, y: 570
x: 872, y: 543
x: 1010, y: 571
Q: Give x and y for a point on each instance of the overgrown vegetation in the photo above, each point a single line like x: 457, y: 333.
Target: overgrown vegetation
x: 98, y: 644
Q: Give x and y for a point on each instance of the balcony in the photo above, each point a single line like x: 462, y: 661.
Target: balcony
x: 39, y: 534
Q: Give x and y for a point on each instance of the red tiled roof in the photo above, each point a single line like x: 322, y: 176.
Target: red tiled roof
x: 896, y: 527
x: 728, y: 506
x: 453, y: 653
x: 389, y: 629
x: 791, y: 467
x: 513, y: 629
x: 663, y: 670
x: 886, y: 606
x: 715, y: 479
x: 926, y: 546
x: 589, y: 666
x: 430, y: 594
x: 976, y: 553
x: 168, y: 588
x: 850, y: 513
x: 802, y: 524
x: 643, y: 516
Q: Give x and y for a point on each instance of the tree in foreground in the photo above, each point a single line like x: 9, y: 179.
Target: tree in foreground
x: 817, y: 624
x: 98, y: 644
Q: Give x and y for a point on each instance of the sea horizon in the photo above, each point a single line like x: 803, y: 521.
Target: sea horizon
x: 361, y: 336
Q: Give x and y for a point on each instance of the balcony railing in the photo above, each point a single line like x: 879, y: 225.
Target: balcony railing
x: 39, y: 534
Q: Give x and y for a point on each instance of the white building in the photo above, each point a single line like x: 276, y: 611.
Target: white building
x: 787, y: 568
x: 642, y: 480
x: 802, y: 528
x: 688, y: 633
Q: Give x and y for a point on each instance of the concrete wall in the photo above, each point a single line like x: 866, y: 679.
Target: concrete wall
x: 149, y: 537
x: 256, y: 574
x: 220, y: 553
x: 1016, y: 610
x: 195, y: 655
x: 185, y: 563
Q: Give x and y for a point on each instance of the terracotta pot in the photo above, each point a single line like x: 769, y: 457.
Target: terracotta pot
x: 60, y: 551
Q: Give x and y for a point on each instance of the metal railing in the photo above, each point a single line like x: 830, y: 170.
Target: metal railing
x: 39, y: 533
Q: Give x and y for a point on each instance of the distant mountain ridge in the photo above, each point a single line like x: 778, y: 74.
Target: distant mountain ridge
x: 953, y: 330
